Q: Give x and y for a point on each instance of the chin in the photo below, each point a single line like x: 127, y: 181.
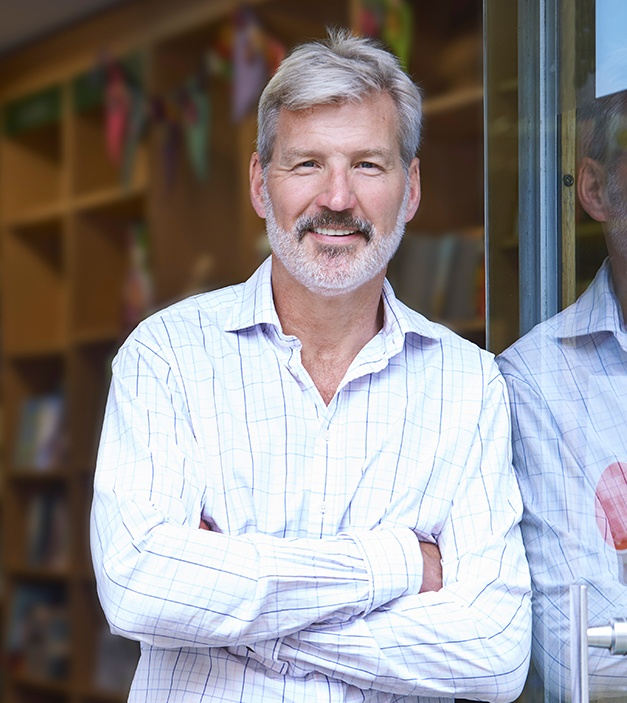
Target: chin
x: 338, y: 285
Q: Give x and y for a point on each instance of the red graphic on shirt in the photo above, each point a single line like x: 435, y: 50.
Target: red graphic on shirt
x: 611, y: 505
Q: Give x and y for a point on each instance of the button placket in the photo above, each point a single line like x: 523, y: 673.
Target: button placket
x: 320, y: 498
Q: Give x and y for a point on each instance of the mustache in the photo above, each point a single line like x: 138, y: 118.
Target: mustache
x: 306, y: 223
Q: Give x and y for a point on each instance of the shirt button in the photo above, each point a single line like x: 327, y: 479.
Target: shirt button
x: 323, y: 507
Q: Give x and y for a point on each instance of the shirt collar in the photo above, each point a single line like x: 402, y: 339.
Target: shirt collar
x: 255, y: 306
x: 401, y: 319
x: 596, y: 310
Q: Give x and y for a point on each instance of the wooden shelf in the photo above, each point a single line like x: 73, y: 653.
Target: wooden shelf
x: 54, y: 690
x: 46, y: 216
x: 35, y: 161
x: 50, y: 348
x: 453, y: 101
x: 46, y: 476
x: 87, y: 337
x: 477, y: 324
x: 114, y: 199
x: 38, y: 575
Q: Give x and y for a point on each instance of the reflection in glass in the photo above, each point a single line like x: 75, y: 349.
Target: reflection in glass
x: 567, y: 378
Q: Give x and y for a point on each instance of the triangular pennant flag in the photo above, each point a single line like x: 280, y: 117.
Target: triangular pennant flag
x: 137, y: 124
x: 370, y: 18
x: 250, y: 70
x: 196, y: 122
x: 397, y: 29
x: 118, y: 107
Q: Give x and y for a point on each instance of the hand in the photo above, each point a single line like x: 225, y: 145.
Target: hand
x: 209, y: 525
x: 432, y: 567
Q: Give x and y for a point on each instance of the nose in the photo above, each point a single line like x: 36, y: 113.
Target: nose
x: 337, y: 192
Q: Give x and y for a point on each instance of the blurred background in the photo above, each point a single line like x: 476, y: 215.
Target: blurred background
x: 126, y: 130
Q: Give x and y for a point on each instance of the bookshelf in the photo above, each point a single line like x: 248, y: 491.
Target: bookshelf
x: 66, y: 218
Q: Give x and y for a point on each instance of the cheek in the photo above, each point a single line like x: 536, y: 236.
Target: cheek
x: 289, y: 204
x: 382, y: 208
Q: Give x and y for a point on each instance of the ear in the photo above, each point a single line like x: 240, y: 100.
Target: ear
x: 591, y: 188
x: 414, y: 189
x: 255, y: 173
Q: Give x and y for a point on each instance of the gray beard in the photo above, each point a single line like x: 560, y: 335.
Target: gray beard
x: 333, y: 269
x: 616, y: 225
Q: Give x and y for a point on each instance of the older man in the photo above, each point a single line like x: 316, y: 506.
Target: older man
x: 347, y: 460
x: 567, y: 380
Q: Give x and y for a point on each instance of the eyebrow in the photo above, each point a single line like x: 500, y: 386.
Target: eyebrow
x: 363, y: 154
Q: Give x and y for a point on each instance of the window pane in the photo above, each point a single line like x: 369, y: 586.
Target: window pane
x: 567, y: 378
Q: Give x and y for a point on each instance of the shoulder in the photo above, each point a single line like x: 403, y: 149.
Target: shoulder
x: 568, y: 339
x: 432, y: 348
x: 540, y: 351
x: 194, y: 324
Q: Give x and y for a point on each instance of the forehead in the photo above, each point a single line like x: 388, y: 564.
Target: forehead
x: 372, y: 121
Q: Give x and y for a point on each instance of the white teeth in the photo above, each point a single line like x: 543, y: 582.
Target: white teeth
x: 334, y: 232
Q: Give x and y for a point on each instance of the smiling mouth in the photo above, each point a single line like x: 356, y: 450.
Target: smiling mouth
x: 328, y: 232
x: 334, y: 225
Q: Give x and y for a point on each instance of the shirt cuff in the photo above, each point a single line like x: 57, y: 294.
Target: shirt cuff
x: 393, y: 559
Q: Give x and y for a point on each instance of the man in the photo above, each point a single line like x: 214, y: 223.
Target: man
x: 350, y: 460
x: 567, y: 381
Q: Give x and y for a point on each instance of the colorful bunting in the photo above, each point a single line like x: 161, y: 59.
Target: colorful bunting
x: 391, y: 21
x: 196, y: 118
x: 136, y: 127
x: 250, y: 68
x: 117, y: 101
x: 242, y: 53
x: 397, y: 30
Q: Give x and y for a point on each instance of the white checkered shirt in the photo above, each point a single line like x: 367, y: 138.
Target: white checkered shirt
x: 567, y: 381
x: 311, y: 590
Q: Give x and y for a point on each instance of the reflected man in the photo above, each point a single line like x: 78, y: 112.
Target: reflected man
x: 567, y: 380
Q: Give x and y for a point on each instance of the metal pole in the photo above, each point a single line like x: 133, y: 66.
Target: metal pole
x: 539, y: 162
x: 579, y: 644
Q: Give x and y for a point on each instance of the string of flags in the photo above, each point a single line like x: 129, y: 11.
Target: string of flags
x: 242, y: 53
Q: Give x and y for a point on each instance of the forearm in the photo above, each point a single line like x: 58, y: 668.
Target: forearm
x: 471, y: 639
x: 455, y: 642
x: 174, y: 585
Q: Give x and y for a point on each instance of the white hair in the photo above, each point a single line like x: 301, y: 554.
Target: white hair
x: 344, y: 68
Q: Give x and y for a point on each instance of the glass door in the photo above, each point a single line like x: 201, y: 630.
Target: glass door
x: 556, y: 231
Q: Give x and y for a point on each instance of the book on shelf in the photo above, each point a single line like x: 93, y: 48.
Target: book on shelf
x: 137, y: 288
x: 463, y: 299
x: 439, y: 275
x: 48, y: 530
x: 41, y: 438
x: 116, y: 661
x: 38, y: 632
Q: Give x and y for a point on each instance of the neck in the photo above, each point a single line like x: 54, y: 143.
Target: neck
x: 618, y: 266
x: 332, y: 329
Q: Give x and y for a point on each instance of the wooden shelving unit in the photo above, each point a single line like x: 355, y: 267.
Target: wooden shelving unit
x: 64, y: 222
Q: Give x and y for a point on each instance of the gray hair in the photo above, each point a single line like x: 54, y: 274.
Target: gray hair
x: 602, y: 120
x: 344, y: 68
x: 601, y: 125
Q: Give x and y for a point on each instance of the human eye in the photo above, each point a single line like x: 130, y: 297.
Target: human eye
x: 368, y: 166
x: 303, y: 167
